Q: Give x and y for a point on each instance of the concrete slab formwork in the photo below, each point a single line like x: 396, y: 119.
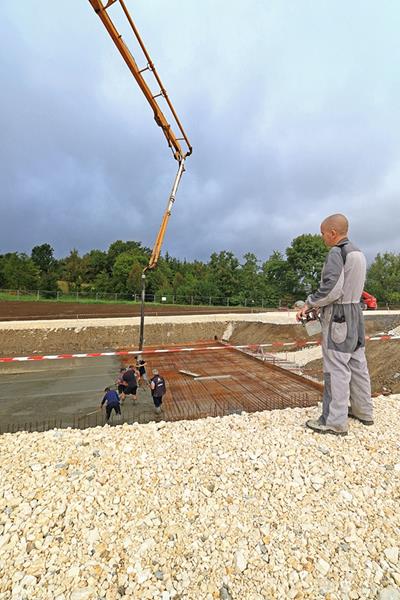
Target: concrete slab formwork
x: 251, y: 385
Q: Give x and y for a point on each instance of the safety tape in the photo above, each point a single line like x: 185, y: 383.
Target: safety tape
x: 278, y: 344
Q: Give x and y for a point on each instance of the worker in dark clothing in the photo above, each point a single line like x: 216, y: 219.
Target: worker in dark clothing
x: 158, y: 389
x: 141, y: 367
x: 111, y: 400
x: 120, y: 383
x: 129, y: 377
x: 346, y: 377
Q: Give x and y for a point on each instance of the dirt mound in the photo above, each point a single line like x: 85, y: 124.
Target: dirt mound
x: 383, y: 363
x: 259, y: 333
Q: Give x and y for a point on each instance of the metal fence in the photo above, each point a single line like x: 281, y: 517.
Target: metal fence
x: 158, y: 298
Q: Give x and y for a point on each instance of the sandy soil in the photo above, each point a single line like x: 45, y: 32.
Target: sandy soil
x: 383, y: 362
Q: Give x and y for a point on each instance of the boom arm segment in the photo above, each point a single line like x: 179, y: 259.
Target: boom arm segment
x: 160, y: 236
x: 173, y: 141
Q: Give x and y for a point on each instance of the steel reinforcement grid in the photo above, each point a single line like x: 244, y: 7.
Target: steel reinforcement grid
x: 235, y: 383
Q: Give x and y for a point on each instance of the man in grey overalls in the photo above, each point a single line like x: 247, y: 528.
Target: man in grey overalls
x: 346, y: 377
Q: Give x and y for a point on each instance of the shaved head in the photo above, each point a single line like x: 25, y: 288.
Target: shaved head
x: 337, y: 222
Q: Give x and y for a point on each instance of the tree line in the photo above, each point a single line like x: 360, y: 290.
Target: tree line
x: 281, y: 278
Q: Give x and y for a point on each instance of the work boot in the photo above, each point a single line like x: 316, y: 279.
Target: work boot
x: 363, y: 421
x: 317, y: 426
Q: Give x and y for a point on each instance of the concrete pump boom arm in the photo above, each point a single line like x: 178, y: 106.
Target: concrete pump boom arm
x: 172, y: 139
x: 174, y: 142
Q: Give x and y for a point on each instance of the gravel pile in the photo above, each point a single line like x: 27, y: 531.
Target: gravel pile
x: 244, y: 507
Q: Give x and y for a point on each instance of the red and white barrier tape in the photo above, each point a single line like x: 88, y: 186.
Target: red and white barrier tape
x: 297, y: 343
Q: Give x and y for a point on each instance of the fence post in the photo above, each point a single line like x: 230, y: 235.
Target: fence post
x: 38, y: 295
x: 58, y: 295
x: 262, y: 303
x: 115, y: 297
x: 77, y: 294
x: 209, y: 301
x: 18, y: 294
x: 227, y: 301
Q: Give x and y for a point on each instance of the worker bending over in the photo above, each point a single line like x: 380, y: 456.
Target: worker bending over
x: 346, y: 377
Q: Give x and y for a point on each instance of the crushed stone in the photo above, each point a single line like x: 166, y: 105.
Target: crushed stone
x: 249, y: 506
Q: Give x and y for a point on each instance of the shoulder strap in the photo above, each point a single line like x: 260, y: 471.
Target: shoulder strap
x: 342, y: 251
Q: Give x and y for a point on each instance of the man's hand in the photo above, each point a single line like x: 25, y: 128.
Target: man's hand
x: 302, y: 312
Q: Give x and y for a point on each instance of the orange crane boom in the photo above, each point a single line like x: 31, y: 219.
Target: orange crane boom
x: 174, y: 142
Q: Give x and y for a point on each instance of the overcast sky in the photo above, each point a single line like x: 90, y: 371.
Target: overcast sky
x: 292, y: 108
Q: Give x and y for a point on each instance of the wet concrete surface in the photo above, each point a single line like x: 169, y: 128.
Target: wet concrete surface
x: 31, y: 392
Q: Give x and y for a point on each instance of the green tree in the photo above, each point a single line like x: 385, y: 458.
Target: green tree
x: 73, y: 270
x: 94, y: 263
x: 126, y: 274
x: 102, y: 282
x: 43, y: 257
x: 120, y: 247
x: 279, y: 280
x: 224, y: 269
x: 383, y: 278
x: 19, y: 272
x: 250, y: 288
x: 306, y: 256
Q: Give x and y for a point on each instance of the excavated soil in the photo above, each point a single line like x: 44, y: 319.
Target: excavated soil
x: 383, y: 363
x: 259, y: 333
x: 58, y: 340
x: 383, y: 356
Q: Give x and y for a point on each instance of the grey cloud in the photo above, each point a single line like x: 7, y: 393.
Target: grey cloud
x: 292, y: 112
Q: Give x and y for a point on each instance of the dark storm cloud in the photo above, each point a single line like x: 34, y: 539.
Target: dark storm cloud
x: 292, y: 112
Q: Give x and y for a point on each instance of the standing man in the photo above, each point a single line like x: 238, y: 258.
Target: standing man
x: 346, y: 377
x: 158, y: 389
x: 111, y: 400
x: 141, y: 367
x: 129, y: 377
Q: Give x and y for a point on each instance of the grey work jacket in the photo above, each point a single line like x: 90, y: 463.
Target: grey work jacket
x: 338, y: 296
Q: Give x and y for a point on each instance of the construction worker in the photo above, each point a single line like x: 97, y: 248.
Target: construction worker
x: 129, y: 378
x: 112, y: 402
x: 346, y: 377
x: 158, y: 389
x: 120, y: 382
x: 141, y: 368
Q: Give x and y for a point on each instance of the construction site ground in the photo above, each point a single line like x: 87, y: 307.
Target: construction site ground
x: 15, y: 310
x: 383, y: 356
x: 200, y: 383
x: 76, y: 386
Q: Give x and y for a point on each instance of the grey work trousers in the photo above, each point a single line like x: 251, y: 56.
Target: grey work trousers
x: 346, y: 380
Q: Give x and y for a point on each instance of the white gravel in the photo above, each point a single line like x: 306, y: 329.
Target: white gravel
x: 280, y: 318
x: 304, y: 356
x: 247, y: 507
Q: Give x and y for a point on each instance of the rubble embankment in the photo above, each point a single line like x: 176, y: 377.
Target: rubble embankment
x: 249, y: 506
